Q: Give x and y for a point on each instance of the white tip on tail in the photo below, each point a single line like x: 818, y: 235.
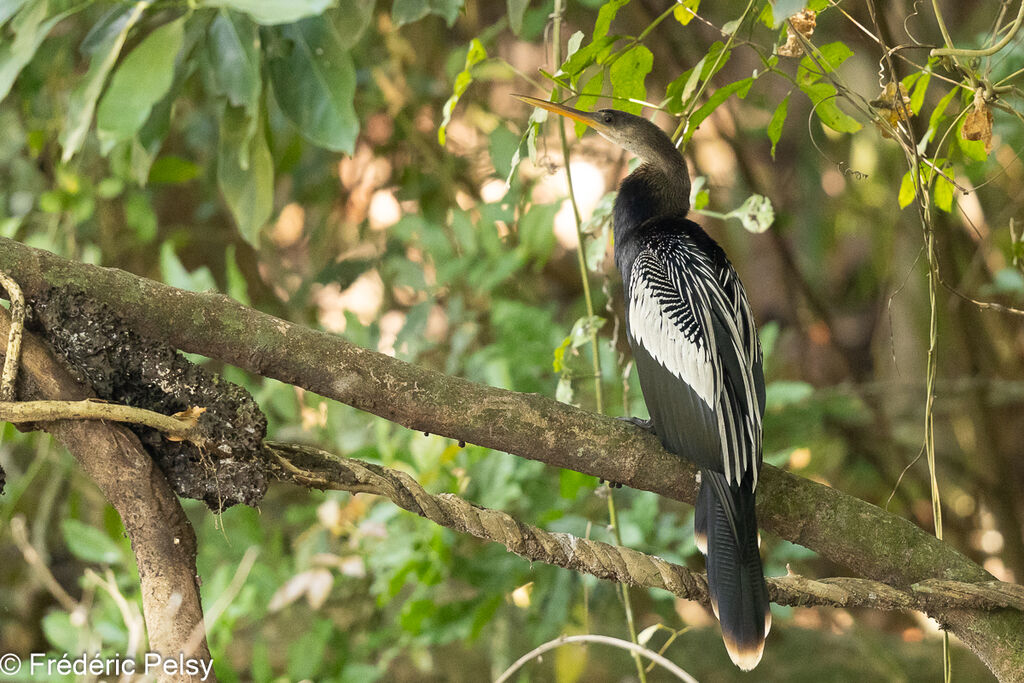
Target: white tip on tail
x: 744, y: 658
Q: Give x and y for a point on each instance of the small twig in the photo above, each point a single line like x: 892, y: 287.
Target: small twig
x: 20, y: 535
x: 604, y: 640
x: 174, y: 428
x: 130, y: 614
x: 13, y: 355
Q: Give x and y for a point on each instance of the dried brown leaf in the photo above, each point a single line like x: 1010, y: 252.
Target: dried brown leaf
x: 803, y: 22
x: 978, y: 124
x: 889, y: 108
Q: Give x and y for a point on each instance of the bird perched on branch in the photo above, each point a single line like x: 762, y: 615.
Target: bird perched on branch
x: 699, y: 361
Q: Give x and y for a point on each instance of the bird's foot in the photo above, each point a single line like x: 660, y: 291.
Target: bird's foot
x: 646, y: 425
x: 611, y: 484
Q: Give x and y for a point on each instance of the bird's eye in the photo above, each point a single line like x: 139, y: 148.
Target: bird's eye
x: 607, y: 118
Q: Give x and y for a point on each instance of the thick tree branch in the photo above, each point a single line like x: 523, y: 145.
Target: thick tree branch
x: 162, y: 538
x: 314, y: 468
x: 851, y: 532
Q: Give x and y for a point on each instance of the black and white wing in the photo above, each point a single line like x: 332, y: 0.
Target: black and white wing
x: 697, y: 353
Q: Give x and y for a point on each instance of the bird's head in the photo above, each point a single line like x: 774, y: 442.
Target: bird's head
x: 633, y: 133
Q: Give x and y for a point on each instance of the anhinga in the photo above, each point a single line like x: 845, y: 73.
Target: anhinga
x: 699, y: 361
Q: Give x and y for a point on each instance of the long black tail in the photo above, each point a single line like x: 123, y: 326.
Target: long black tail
x: 725, y: 526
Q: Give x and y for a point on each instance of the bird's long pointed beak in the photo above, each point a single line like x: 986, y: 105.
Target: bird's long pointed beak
x: 568, y: 112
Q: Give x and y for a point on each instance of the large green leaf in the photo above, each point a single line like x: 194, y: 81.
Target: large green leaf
x: 273, y: 12
x: 29, y: 30
x: 82, y: 102
x: 627, y: 75
x: 823, y: 96
x: 314, y: 84
x: 245, y: 173
x: 141, y: 80
x: 830, y: 57
x: 407, y: 11
x: 233, y: 43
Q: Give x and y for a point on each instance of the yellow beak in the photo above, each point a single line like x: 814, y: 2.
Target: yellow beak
x: 583, y: 117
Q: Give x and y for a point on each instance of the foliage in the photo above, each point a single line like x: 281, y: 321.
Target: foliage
x: 286, y: 153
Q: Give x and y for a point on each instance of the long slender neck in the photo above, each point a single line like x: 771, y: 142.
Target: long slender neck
x: 660, y: 186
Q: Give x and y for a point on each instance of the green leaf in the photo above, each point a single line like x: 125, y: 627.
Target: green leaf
x: 716, y: 58
x: 89, y: 543
x: 823, y: 96
x: 351, y: 19
x: 741, y: 88
x: 245, y: 173
x: 699, y: 196
x: 314, y: 84
x: 943, y: 193
x: 172, y: 170
x: 907, y: 192
x: 628, y: 74
x: 82, y: 102
x: 591, y: 90
x: 778, y: 120
x: 61, y: 633
x: 582, y: 329
x: 504, y: 144
x: 141, y: 80
x: 605, y: 16
x: 516, y: 9
x: 830, y: 57
x: 273, y: 12
x: 939, y: 113
x: 756, y: 214
x: 685, y: 11
x: 175, y: 274
x: 584, y: 57
x: 233, y: 43
x: 920, y: 88
x: 475, y: 55
x: 29, y: 32
x: 407, y: 11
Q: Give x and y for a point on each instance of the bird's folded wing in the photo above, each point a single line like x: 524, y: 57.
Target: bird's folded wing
x: 697, y: 356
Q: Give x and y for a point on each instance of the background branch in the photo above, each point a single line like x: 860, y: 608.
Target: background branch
x: 851, y: 532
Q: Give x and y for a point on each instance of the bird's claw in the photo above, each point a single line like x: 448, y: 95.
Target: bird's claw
x: 611, y: 484
x: 646, y: 425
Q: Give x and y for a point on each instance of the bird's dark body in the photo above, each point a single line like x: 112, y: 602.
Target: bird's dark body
x: 699, y: 362
x: 684, y: 422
